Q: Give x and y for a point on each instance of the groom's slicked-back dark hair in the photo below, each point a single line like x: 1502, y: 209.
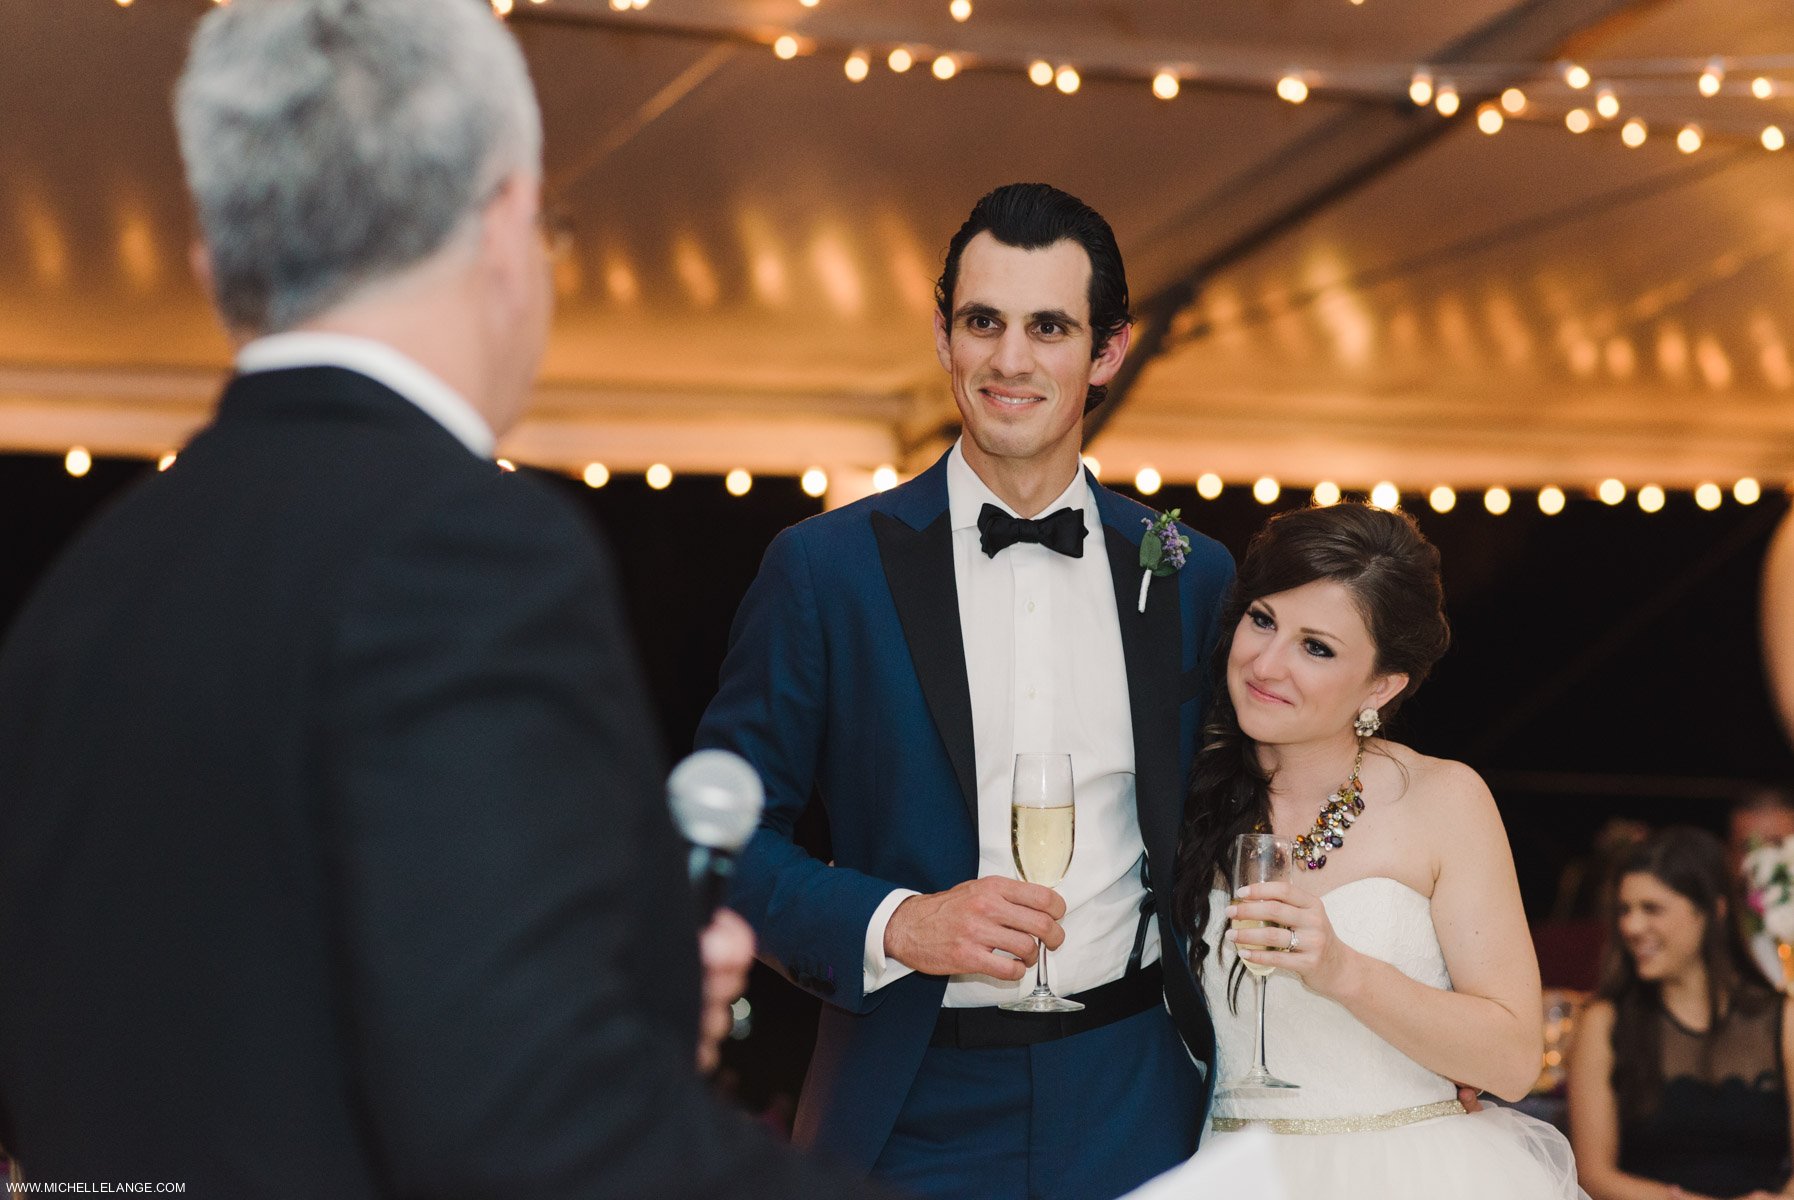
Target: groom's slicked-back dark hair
x: 1033, y: 216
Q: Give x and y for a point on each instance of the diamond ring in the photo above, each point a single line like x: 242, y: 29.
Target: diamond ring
x: 1295, y: 943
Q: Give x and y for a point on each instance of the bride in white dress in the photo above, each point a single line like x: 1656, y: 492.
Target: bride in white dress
x: 1403, y: 961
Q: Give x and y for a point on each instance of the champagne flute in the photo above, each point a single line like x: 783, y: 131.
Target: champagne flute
x: 1259, y: 858
x: 1042, y: 821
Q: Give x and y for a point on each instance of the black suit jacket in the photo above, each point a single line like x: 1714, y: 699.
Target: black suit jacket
x: 333, y: 859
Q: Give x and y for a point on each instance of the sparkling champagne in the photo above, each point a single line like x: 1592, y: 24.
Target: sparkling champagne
x: 1255, y: 968
x: 1042, y: 840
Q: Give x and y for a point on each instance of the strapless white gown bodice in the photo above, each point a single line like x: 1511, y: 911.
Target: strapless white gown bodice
x: 1350, y: 1077
x: 1343, y: 1068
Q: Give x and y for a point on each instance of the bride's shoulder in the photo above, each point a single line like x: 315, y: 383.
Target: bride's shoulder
x: 1430, y: 777
x: 1445, y: 787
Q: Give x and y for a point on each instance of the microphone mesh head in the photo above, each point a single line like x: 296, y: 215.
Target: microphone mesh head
x: 716, y: 799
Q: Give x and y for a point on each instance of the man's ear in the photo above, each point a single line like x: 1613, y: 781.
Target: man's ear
x: 1108, y: 360
x: 943, y: 344
x: 508, y: 237
x: 199, y: 260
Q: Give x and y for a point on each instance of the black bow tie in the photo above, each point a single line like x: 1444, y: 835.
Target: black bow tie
x: 1062, y: 531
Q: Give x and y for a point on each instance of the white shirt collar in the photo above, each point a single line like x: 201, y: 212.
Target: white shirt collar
x: 967, y: 494
x: 382, y: 364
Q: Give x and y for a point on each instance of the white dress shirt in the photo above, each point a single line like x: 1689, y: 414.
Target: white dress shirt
x: 382, y: 364
x: 1046, y: 673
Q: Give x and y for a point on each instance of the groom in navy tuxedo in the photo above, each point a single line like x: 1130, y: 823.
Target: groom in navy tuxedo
x: 891, y: 659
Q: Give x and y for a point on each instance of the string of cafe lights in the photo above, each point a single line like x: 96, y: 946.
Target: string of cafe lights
x: 1582, y: 97
x: 1442, y: 498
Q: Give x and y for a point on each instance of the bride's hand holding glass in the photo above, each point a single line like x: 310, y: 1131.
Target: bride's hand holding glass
x: 1297, y: 936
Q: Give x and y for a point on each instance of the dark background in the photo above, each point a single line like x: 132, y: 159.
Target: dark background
x: 1605, y: 661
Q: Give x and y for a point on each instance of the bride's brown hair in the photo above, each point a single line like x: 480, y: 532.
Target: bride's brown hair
x: 1392, y: 573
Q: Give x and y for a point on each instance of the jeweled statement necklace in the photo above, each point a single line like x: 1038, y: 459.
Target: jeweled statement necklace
x: 1338, y: 814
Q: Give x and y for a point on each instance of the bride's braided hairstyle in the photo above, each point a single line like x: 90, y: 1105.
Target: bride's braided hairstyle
x: 1392, y: 572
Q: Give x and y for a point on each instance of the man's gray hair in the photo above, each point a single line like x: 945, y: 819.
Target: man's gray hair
x: 331, y: 143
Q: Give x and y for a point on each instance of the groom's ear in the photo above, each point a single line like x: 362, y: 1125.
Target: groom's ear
x: 943, y: 346
x: 1108, y: 360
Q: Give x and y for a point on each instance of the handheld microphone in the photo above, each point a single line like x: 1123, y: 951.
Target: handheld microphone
x: 716, y: 799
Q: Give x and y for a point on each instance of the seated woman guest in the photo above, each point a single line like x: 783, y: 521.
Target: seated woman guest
x: 1679, y: 1072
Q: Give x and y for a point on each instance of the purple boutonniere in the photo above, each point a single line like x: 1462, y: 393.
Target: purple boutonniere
x: 1162, y: 550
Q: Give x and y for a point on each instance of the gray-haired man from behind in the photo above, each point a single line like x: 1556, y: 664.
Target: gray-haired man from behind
x: 332, y: 858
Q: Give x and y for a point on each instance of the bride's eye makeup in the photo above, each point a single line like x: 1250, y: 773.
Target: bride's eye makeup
x: 1318, y: 649
x: 1261, y: 618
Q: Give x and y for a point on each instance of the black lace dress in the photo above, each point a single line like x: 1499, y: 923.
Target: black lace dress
x: 1722, y: 1126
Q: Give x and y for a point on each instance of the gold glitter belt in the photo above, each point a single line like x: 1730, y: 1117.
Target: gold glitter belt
x: 1388, y: 1120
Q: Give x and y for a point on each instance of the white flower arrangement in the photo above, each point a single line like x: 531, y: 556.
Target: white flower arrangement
x: 1769, y: 869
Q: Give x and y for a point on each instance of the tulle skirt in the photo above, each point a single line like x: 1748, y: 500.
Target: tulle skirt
x: 1494, y: 1154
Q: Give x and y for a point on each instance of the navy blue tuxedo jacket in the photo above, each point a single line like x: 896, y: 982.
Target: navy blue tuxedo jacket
x: 846, y: 680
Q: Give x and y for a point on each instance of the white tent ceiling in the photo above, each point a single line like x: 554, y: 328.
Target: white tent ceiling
x: 1373, y: 291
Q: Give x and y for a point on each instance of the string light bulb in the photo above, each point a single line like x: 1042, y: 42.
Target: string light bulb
x: 900, y: 60
x: 1650, y: 498
x: 501, y: 7
x: 1446, y: 100
x: 1611, y: 492
x: 1773, y: 138
x: 1577, y: 76
x: 1147, y: 481
x: 1420, y: 89
x: 738, y: 482
x: 124, y: 3
x: 1326, y: 493
x: 1577, y: 120
x: 1040, y: 72
x: 1708, y: 496
x: 1443, y: 499
x: 960, y: 10
x: 1266, y: 490
x: 1497, y: 500
x: 1093, y: 465
x: 619, y: 5
x: 1489, y: 119
x: 945, y: 67
x: 1386, y: 495
x: 814, y: 482
x: 1712, y: 78
x: 1633, y: 133
x: 506, y: 465
x: 1209, y: 486
x: 1292, y: 88
x: 77, y: 461
x: 1747, y: 491
x: 1067, y: 80
x: 596, y: 475
x: 858, y: 66
x: 659, y: 476
x: 167, y: 460
x: 1551, y: 500
x: 1689, y: 140
x: 1165, y: 85
x: 1761, y: 88
x: 785, y: 47
x: 884, y: 478
x: 1513, y: 101
x: 1607, y: 104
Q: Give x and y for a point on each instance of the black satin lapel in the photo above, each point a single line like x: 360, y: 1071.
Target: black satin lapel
x: 1152, y: 645
x: 919, y: 570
